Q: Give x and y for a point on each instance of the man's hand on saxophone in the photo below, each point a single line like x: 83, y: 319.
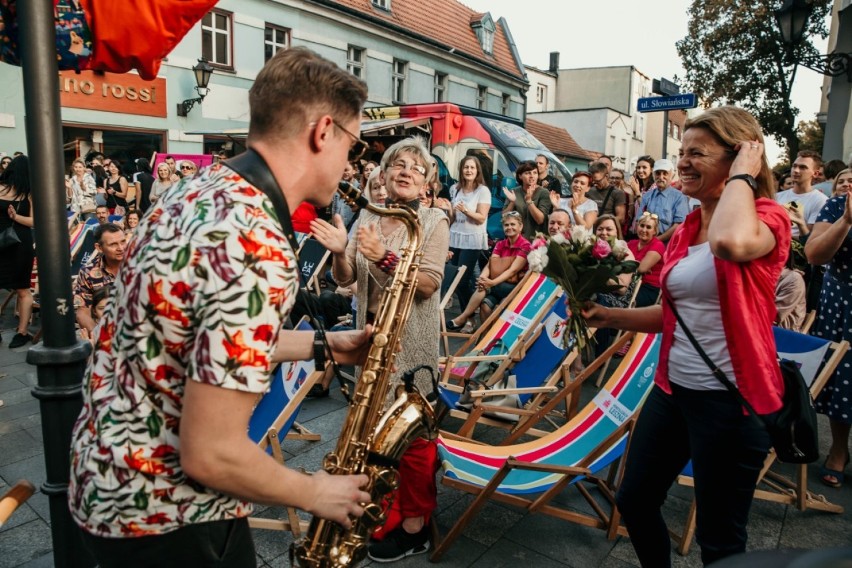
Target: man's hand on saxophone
x: 338, y: 497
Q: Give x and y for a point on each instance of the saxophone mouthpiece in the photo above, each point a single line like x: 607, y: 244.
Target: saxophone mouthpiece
x: 352, y: 195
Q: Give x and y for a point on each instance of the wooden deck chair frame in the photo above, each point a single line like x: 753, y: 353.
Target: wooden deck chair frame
x: 448, y: 297
x: 536, y: 391
x: 271, y: 443
x: 810, y: 318
x: 537, y: 482
x: 484, y: 336
x: 772, y: 486
x: 14, y: 498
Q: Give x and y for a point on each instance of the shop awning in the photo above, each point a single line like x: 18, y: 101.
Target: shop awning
x: 394, y: 126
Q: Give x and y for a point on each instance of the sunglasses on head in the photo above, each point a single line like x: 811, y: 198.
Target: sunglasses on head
x: 648, y: 214
x: 511, y: 214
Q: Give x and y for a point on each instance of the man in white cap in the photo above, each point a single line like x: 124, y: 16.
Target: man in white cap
x: 665, y: 201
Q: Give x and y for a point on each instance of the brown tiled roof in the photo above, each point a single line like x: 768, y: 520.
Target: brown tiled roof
x: 446, y: 22
x: 558, y: 140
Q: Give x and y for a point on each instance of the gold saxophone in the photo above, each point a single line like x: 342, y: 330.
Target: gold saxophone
x: 373, y: 440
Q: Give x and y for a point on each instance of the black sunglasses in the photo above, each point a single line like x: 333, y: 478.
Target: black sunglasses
x: 358, y: 146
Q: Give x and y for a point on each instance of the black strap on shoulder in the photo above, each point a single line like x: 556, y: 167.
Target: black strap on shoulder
x: 717, y: 372
x: 252, y: 167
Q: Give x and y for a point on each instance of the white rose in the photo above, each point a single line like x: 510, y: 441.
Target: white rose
x: 537, y: 259
x: 580, y: 235
x: 620, y: 250
x: 559, y: 239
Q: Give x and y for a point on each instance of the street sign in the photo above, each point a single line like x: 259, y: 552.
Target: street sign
x: 669, y: 87
x: 655, y: 104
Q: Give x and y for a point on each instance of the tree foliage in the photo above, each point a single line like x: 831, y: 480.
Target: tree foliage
x: 811, y: 135
x: 733, y: 54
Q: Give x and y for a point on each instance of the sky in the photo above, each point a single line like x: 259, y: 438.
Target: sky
x: 619, y: 32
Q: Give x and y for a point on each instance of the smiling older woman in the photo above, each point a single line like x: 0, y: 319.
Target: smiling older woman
x: 720, y: 271
x: 405, y: 168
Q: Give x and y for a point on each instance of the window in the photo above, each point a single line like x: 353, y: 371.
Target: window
x: 504, y: 108
x: 481, y: 97
x: 383, y: 4
x: 355, y: 61
x: 540, y: 93
x: 398, y: 79
x: 216, y: 44
x: 275, y: 38
x: 484, y: 29
x: 440, y: 87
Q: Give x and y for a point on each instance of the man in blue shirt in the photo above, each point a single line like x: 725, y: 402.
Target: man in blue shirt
x: 665, y: 201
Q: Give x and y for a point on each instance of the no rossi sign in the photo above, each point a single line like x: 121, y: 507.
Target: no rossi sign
x: 113, y: 92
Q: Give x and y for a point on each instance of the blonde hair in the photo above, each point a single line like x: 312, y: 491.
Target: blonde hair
x: 840, y: 173
x: 731, y: 126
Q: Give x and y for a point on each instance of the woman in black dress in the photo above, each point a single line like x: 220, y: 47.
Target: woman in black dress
x: 16, y: 261
x: 116, y: 189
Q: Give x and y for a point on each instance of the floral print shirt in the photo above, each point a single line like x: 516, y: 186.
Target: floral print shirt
x: 207, y: 281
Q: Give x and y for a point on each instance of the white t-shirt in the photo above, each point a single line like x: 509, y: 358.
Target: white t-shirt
x: 464, y: 233
x: 692, y: 284
x: 811, y: 201
x: 582, y: 209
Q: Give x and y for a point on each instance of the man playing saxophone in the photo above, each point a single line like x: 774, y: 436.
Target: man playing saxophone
x: 163, y: 471
x: 370, y: 259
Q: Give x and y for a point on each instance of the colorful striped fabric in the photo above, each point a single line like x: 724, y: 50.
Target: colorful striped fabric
x: 514, y: 322
x: 571, y: 444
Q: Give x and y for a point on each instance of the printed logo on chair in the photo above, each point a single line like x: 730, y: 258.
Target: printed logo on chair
x: 295, y: 375
x: 608, y: 404
x: 516, y: 319
x: 555, y: 328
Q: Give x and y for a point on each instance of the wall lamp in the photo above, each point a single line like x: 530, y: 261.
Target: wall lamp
x: 202, y: 71
x: 792, y: 18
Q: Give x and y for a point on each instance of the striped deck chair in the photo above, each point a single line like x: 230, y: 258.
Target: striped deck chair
x: 504, y: 334
x: 274, y: 420
x: 817, y: 359
x: 530, y: 474
x: 544, y: 363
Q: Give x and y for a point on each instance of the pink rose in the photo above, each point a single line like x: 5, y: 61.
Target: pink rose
x: 538, y: 243
x: 601, y: 249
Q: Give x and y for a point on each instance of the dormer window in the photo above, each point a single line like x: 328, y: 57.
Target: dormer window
x: 484, y: 28
x: 383, y: 4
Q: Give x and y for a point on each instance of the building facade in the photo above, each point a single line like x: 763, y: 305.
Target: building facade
x: 598, y: 106
x: 406, y: 51
x: 836, y: 103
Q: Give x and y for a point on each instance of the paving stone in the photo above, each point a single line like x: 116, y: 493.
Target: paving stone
x: 506, y: 554
x: 19, y: 410
x: 24, y: 543
x: 17, y: 446
x: 8, y: 383
x: 32, y: 469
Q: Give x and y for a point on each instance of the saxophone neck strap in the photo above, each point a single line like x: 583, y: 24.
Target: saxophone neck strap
x: 252, y: 167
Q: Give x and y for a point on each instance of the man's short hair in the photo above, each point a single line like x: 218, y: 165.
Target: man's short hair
x: 100, y: 230
x: 296, y: 86
x: 832, y: 168
x: 102, y: 207
x: 598, y: 167
x: 546, y: 159
x: 815, y: 156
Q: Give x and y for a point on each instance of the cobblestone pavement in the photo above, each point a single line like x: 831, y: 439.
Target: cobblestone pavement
x: 499, y: 536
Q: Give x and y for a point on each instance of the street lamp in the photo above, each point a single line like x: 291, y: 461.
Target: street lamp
x: 792, y: 18
x: 202, y: 71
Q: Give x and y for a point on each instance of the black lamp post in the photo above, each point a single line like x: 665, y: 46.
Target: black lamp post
x: 202, y: 71
x: 792, y: 19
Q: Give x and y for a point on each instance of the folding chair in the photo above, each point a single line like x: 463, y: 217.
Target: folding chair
x: 504, y: 334
x: 545, y: 362
x: 636, y: 283
x: 817, y: 360
x: 458, y: 271
x: 274, y: 420
x: 312, y: 259
x: 529, y: 475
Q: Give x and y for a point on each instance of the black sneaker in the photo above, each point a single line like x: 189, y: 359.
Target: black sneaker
x: 398, y: 544
x: 317, y: 392
x: 20, y: 340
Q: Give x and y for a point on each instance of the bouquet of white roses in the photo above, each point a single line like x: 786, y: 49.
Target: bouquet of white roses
x: 583, y: 265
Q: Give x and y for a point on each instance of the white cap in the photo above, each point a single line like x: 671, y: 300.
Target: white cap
x: 664, y: 165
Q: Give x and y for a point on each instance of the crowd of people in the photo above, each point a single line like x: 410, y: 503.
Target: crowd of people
x: 171, y: 349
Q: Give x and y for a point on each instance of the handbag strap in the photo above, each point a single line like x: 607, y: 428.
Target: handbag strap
x: 717, y: 372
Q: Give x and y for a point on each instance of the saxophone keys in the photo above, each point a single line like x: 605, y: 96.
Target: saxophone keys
x: 380, y: 339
